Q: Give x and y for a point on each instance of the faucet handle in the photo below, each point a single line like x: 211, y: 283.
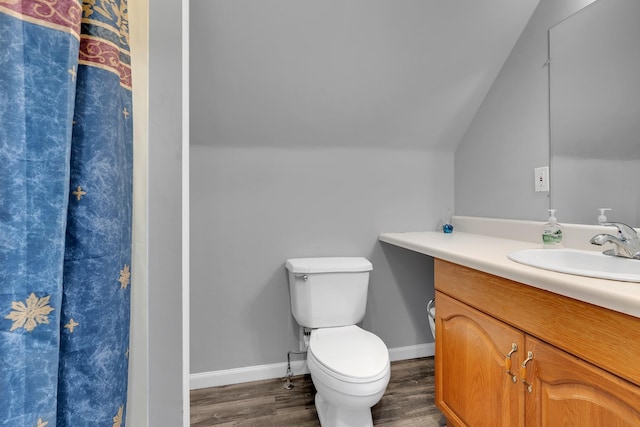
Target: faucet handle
x: 625, y: 231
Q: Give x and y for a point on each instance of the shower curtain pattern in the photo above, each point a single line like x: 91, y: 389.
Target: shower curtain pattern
x: 65, y: 212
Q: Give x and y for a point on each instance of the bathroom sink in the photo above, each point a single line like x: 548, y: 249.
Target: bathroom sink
x: 581, y: 263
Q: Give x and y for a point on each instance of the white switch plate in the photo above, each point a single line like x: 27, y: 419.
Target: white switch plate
x: 541, y: 176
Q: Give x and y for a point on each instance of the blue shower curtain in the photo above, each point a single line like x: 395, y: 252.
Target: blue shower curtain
x: 65, y: 212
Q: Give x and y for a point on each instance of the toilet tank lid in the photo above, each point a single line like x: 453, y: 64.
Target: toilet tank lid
x: 328, y: 265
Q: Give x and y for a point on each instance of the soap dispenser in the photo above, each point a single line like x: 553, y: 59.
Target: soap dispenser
x: 602, y: 218
x: 552, y: 232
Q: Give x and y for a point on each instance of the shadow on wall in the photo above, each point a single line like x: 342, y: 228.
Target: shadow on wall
x: 406, y: 276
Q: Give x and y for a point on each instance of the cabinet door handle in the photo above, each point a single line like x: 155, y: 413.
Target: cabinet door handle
x: 523, y: 371
x: 507, y: 362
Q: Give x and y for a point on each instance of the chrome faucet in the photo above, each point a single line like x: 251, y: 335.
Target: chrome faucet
x: 626, y: 244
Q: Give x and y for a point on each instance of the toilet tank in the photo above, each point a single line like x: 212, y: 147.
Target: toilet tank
x: 327, y: 292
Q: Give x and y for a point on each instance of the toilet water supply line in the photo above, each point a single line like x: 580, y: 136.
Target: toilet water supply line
x: 288, y: 385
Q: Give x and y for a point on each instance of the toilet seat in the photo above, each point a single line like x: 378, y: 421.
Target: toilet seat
x: 349, y: 354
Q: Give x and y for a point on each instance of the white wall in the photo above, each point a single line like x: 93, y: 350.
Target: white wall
x: 252, y: 208
x: 509, y: 135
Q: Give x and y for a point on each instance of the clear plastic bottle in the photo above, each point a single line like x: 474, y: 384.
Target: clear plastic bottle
x: 602, y: 218
x: 552, y: 232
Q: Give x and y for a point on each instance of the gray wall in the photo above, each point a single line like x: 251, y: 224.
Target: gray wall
x: 315, y: 126
x: 614, y: 182
x: 509, y: 135
x: 595, y: 105
x: 388, y: 74
x: 164, y: 226
x: 252, y: 208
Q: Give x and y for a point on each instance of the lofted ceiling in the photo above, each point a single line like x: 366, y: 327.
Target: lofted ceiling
x: 317, y: 73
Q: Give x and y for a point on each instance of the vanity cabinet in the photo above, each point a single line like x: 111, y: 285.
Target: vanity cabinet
x: 473, y: 386
x: 582, y: 361
x: 566, y: 391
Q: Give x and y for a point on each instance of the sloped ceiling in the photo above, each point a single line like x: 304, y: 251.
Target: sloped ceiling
x: 316, y: 73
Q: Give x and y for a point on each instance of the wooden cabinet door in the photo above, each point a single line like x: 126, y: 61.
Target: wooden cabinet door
x: 472, y: 385
x: 567, y: 391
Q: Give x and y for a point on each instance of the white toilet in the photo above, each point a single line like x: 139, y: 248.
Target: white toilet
x: 349, y: 366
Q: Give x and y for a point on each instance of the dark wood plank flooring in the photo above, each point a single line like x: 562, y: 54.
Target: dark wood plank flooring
x: 408, y: 401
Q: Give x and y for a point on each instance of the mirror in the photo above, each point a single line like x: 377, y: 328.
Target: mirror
x: 594, y: 77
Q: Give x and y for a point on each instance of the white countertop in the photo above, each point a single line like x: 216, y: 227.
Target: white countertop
x: 489, y: 254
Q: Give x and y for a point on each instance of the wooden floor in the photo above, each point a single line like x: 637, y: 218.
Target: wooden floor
x: 408, y: 401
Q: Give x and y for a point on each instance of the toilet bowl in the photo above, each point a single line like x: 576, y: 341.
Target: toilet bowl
x: 350, y: 369
x: 349, y: 366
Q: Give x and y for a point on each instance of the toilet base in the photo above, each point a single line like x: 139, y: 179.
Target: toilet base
x: 335, y: 416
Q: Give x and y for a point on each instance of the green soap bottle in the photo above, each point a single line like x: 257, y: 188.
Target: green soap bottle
x: 552, y: 232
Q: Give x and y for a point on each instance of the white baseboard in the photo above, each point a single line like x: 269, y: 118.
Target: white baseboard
x: 247, y: 374
x: 279, y: 370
